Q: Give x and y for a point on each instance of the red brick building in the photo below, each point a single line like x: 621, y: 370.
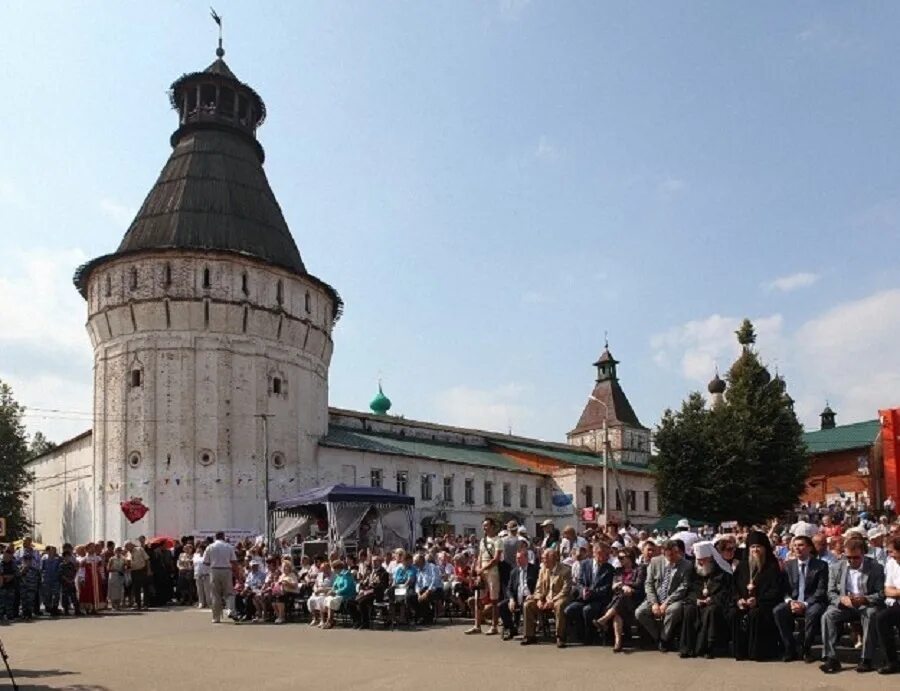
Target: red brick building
x: 847, y: 461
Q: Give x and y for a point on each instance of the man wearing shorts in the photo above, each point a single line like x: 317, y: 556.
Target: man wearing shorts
x: 490, y: 554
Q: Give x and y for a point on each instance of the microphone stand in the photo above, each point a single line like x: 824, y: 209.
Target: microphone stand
x: 8, y: 670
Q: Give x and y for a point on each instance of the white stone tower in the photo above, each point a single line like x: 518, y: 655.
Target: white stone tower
x: 204, y: 321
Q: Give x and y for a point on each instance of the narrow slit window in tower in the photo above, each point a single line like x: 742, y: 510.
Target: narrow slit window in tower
x: 308, y: 303
x: 279, y: 293
x: 167, y: 275
x: 134, y: 278
x: 276, y: 386
x: 135, y: 378
x: 244, y: 286
x: 108, y: 285
x: 206, y: 281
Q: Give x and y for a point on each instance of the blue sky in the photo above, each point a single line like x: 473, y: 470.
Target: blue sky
x: 492, y: 186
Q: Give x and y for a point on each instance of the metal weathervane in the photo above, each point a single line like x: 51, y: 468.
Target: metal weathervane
x: 218, y: 20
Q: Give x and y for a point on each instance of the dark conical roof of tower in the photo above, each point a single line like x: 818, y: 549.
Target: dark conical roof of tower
x: 212, y: 194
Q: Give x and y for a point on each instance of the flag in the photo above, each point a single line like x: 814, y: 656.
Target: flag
x: 216, y: 18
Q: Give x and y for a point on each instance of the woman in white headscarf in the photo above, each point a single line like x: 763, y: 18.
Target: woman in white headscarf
x: 705, y: 627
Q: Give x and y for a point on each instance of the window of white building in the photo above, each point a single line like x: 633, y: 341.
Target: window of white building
x: 375, y: 477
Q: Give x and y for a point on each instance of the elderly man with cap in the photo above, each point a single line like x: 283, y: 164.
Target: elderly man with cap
x: 806, y: 578
x: 709, y: 599
x: 686, y: 535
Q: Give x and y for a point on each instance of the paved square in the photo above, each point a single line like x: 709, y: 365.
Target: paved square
x: 181, y: 649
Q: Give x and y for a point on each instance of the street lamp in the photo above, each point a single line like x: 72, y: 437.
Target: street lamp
x: 265, y: 420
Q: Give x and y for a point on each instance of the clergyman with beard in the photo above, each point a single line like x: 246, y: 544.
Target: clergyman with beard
x: 705, y: 626
x: 757, y: 584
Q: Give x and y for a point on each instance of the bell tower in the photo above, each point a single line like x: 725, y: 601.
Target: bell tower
x: 211, y: 340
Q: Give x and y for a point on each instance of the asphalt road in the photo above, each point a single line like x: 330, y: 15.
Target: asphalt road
x: 182, y: 649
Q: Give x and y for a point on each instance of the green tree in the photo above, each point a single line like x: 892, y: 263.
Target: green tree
x: 39, y: 445
x: 744, y: 460
x: 14, y: 475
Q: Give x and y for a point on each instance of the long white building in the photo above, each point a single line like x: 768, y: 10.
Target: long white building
x: 212, y: 344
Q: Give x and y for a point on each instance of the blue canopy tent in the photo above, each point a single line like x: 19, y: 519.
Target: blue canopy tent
x: 382, y: 517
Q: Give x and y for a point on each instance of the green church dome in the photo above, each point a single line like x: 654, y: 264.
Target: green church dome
x: 381, y: 403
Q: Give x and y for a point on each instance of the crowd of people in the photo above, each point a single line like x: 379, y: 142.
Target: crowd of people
x: 751, y: 592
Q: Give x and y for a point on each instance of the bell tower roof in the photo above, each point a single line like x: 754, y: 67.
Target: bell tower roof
x: 608, y: 401
x: 212, y: 194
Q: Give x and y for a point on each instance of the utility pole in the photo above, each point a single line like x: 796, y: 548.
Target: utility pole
x: 265, y: 420
x: 607, y: 458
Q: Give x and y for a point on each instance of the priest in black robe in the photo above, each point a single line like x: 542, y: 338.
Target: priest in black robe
x: 758, y: 588
x: 705, y: 628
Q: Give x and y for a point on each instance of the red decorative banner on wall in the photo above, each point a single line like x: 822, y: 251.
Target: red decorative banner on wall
x: 134, y: 509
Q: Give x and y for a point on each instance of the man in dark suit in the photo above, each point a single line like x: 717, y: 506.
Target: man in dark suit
x: 593, y: 593
x: 855, y: 593
x: 668, y: 581
x: 521, y: 584
x: 807, y: 596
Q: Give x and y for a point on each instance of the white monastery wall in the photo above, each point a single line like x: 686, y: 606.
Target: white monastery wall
x: 61, y: 501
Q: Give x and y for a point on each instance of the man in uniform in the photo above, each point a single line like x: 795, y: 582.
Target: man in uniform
x: 490, y: 554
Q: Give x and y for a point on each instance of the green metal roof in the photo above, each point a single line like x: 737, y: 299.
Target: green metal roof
x: 573, y: 457
x: 843, y: 437
x: 417, y: 448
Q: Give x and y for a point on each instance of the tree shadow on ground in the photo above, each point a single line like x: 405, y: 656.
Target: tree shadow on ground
x: 35, y: 673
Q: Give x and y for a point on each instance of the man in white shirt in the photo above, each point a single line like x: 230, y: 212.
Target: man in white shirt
x: 220, y: 558
x: 888, y: 618
x: 686, y: 536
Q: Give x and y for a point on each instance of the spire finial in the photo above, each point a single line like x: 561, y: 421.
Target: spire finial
x: 218, y: 20
x: 606, y: 339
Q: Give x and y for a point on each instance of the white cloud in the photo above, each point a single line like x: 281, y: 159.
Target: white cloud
x: 786, y: 284
x: 46, y: 351
x: 546, y: 150
x: 120, y: 214
x: 845, y: 355
x: 495, y: 409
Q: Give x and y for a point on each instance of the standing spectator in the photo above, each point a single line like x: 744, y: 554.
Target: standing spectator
x: 116, y: 578
x: 201, y: 577
x: 889, y: 507
x: 29, y: 585
x: 68, y: 579
x: 185, y: 565
x: 490, y: 553
x: 855, y: 593
x: 668, y: 580
x: 50, y: 584
x: 139, y: 568
x: 220, y: 558
x: 889, y: 618
x: 687, y: 536
x: 8, y: 586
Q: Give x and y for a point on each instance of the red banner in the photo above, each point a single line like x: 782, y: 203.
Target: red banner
x: 134, y: 509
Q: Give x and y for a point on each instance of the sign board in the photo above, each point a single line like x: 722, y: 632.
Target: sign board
x: 589, y: 515
x: 232, y: 536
